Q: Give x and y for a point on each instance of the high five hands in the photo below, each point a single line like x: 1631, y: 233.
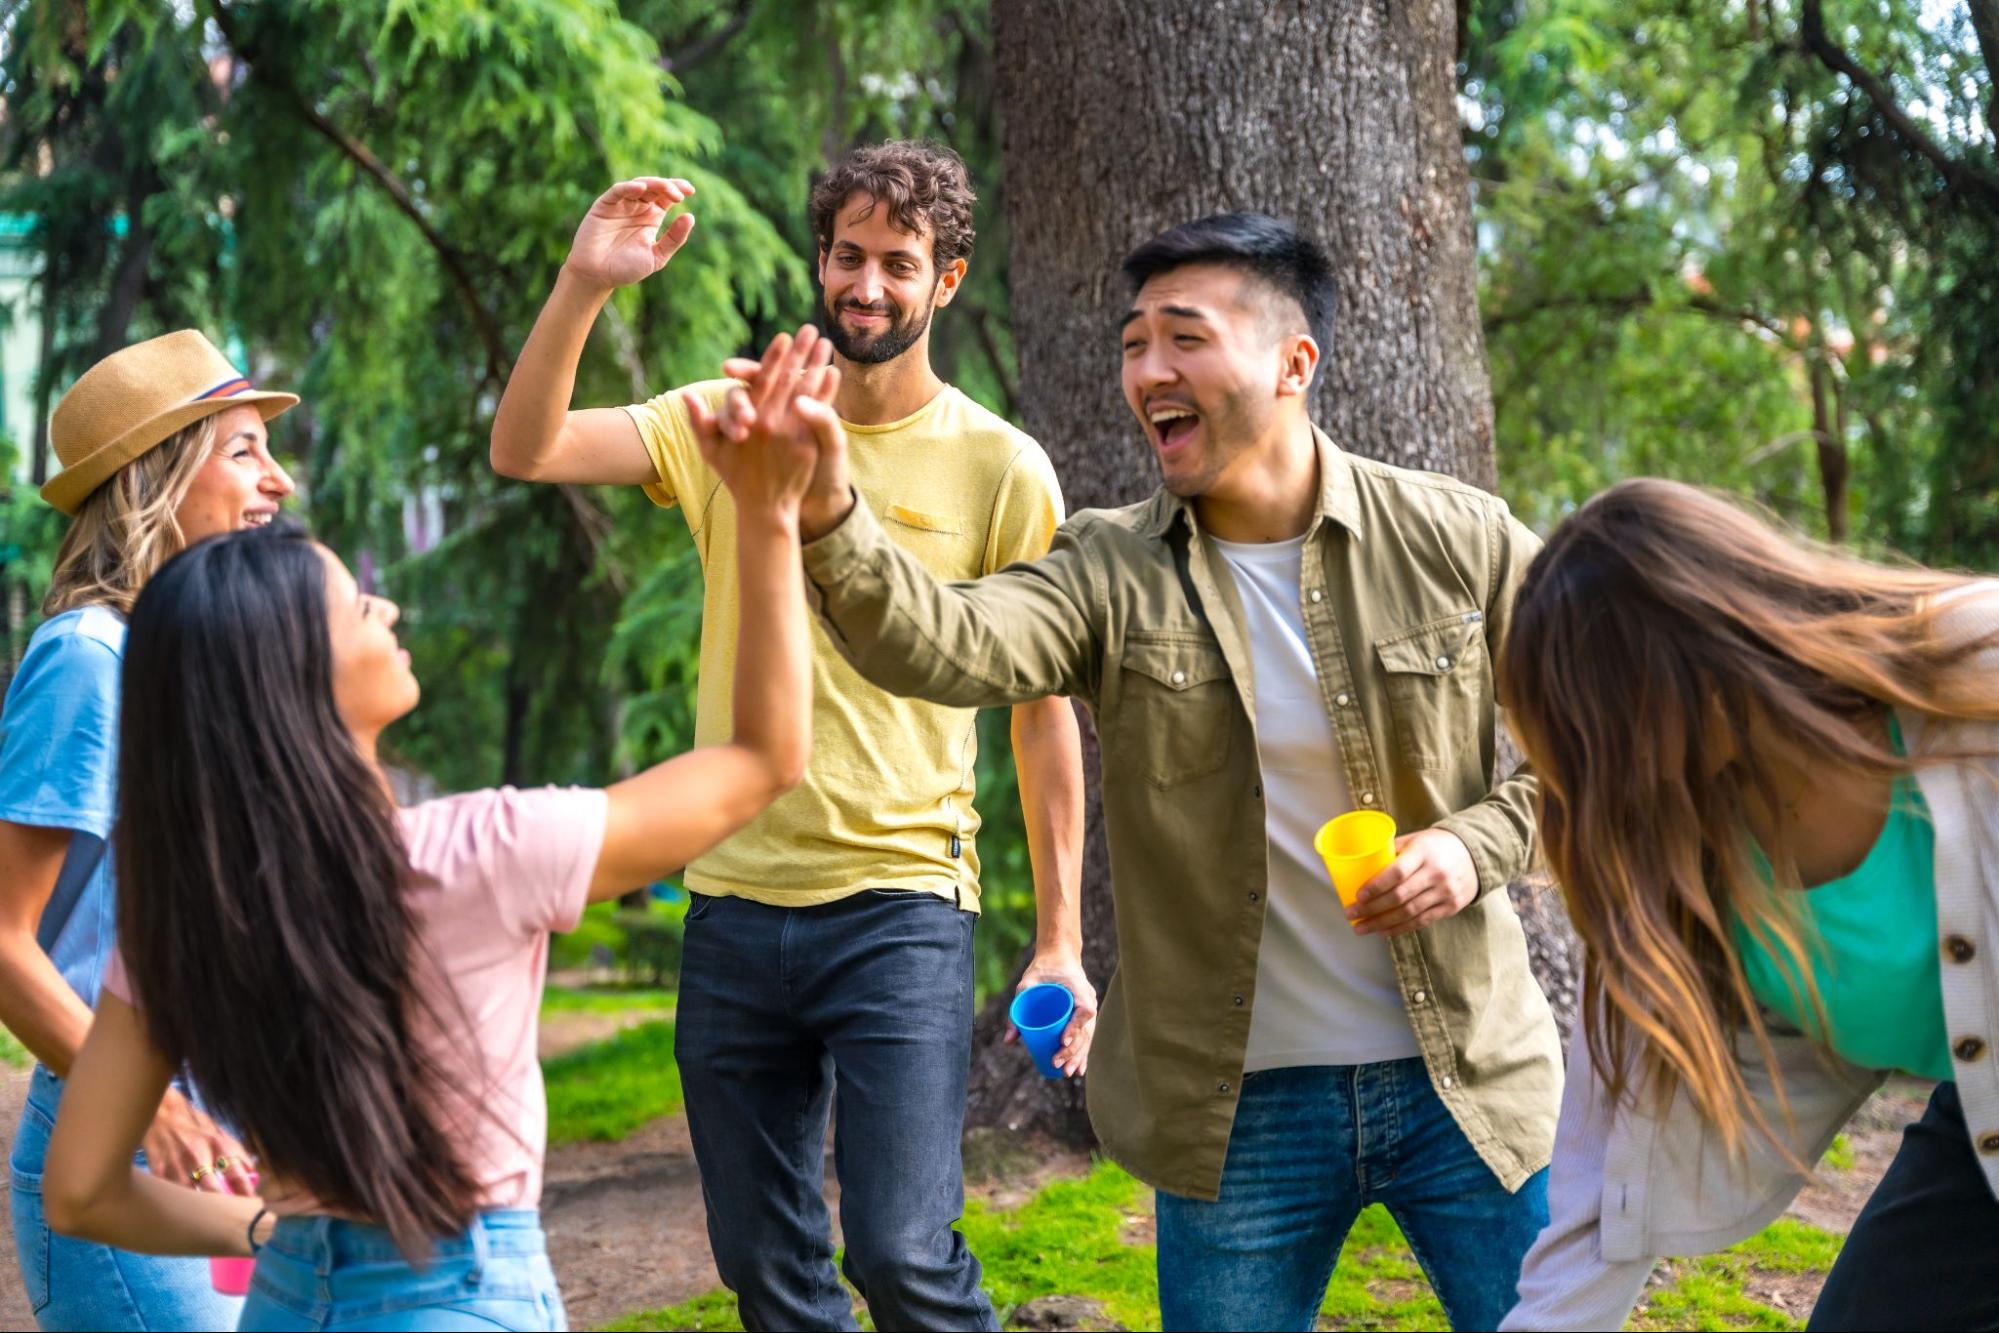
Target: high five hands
x: 620, y: 242
x: 803, y: 409
x: 773, y: 432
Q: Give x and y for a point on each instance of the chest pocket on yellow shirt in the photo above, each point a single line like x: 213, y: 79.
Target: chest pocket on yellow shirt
x: 944, y: 545
x: 1439, y: 676
x: 1178, y: 700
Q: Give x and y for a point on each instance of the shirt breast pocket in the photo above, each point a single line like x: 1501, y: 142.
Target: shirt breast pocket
x: 1177, y: 703
x: 945, y: 545
x: 1439, y: 678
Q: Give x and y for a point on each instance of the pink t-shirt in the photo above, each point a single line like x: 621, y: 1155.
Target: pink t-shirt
x: 496, y: 871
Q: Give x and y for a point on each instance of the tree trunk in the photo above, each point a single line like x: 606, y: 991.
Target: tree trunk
x: 1124, y: 117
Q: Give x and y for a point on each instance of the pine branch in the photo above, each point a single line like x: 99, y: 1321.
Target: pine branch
x: 1956, y: 172
x: 453, y: 263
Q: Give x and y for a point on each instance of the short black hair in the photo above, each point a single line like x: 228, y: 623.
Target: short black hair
x: 1254, y: 243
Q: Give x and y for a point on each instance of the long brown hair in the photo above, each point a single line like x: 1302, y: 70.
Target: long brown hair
x: 127, y: 528
x: 1660, y: 621
x: 262, y: 906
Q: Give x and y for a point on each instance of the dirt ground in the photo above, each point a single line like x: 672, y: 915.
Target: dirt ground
x: 626, y: 1229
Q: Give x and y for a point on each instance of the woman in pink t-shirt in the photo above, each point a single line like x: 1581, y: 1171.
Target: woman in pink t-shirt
x: 354, y: 985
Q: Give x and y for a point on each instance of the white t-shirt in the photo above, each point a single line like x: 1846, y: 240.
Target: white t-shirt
x: 1324, y: 995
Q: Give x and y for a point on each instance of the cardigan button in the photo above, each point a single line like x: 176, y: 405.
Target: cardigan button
x: 1968, y: 1048
x: 1960, y: 949
x: 1989, y: 1144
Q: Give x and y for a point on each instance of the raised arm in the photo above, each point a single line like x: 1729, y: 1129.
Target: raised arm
x: 668, y: 815
x: 536, y: 436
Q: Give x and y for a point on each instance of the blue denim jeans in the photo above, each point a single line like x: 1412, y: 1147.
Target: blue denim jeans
x: 1311, y: 1148
x: 325, y: 1273
x: 779, y: 1007
x: 77, y: 1284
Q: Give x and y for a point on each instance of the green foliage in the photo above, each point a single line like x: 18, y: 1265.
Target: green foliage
x: 606, y: 1000
x: 604, y: 1091
x: 1707, y: 256
x: 1839, y: 1157
x: 13, y: 1055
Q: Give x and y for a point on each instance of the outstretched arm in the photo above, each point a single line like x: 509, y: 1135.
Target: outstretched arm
x: 536, y: 437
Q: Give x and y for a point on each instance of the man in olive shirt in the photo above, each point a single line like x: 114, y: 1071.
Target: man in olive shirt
x: 1282, y: 633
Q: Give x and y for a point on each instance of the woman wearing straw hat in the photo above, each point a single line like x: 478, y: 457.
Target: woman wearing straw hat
x: 161, y: 444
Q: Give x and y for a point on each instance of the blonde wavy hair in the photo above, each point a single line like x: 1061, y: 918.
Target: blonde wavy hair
x: 127, y: 528
x: 1658, y: 625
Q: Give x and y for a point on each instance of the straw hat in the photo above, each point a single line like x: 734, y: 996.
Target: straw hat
x: 134, y: 399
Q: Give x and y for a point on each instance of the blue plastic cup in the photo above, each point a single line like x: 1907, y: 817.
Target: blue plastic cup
x: 1041, y: 1014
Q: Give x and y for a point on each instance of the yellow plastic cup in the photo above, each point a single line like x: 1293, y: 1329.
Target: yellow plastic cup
x: 1356, y: 847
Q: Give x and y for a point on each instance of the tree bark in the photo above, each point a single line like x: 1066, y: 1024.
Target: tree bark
x: 1124, y: 117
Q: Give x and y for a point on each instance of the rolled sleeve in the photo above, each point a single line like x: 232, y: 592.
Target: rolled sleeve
x: 59, y: 737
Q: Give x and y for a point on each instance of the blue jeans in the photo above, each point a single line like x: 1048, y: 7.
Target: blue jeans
x: 871, y: 995
x: 1311, y: 1148
x: 325, y: 1273
x: 79, y: 1284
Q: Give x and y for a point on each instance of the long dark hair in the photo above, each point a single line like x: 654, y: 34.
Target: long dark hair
x: 262, y: 911
x: 1659, y: 622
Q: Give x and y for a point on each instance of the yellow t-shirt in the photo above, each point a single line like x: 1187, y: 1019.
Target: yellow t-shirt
x: 887, y: 799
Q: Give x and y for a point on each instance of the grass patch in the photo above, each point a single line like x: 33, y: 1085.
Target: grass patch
x: 12, y: 1053
x: 605, y: 999
x: 1839, y: 1157
x: 1378, y: 1284
x: 714, y: 1311
x: 1069, y: 1240
x: 605, y: 1090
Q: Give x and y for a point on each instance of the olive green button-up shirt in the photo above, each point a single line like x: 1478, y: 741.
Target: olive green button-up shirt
x: 1407, y: 585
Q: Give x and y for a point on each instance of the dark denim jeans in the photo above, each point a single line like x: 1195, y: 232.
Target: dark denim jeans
x: 1924, y: 1252
x: 1311, y: 1148
x: 779, y: 1008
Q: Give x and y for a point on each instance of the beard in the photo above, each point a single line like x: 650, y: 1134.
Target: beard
x: 1232, y: 425
x: 872, y: 349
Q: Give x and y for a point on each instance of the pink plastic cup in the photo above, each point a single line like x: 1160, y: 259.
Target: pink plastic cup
x: 231, y: 1276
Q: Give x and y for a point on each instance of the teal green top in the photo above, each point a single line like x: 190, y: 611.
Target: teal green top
x: 1875, y: 953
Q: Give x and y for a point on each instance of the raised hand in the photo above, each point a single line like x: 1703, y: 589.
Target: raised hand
x: 620, y: 242
x: 830, y: 497
x: 765, y: 441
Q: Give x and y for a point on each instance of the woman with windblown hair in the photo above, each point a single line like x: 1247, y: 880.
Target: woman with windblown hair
x: 1770, y: 791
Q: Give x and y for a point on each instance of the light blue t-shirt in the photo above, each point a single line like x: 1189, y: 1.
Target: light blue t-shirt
x: 59, y: 768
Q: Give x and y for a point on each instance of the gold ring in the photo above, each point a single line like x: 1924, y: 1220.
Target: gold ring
x: 196, y: 1174
x: 221, y: 1165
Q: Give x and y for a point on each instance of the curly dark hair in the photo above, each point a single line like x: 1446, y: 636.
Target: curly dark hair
x: 922, y: 184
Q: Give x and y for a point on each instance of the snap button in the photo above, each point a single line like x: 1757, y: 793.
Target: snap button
x: 1367, y: 798
x: 1252, y: 895
x: 1238, y: 1000
x: 1989, y: 1144
x: 1446, y: 1081
x: 1179, y: 678
x: 1257, y: 791
x: 1960, y: 949
x: 1419, y: 997
x: 1968, y: 1048
x: 1317, y: 595
x: 1443, y: 664
x: 1342, y: 700
x: 1224, y: 1087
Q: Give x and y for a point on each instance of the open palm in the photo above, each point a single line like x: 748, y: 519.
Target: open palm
x: 620, y: 240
